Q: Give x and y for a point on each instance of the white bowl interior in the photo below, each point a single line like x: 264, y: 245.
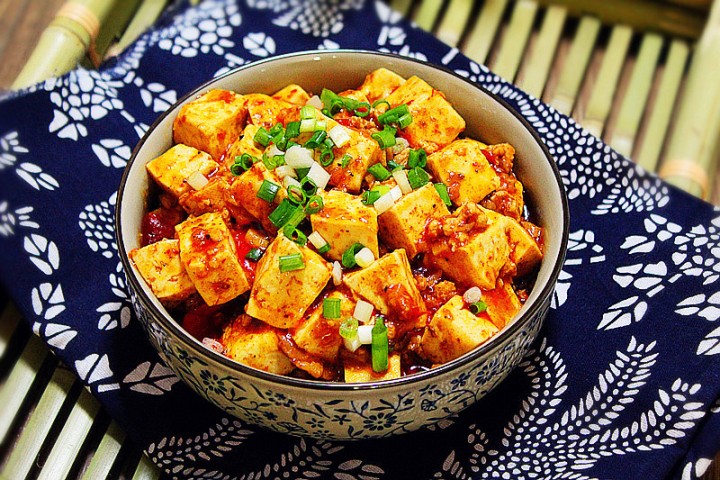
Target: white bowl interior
x: 487, y: 120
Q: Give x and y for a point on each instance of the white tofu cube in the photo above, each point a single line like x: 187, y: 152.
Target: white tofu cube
x: 172, y: 169
x: 159, y: 264
x: 255, y: 343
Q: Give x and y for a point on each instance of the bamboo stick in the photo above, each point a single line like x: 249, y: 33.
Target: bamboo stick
x: 9, y: 320
x: 401, y: 6
x: 117, y: 21
x: 515, y: 39
x: 146, y: 470
x: 146, y: 14
x: 482, y: 35
x: 65, y: 41
x: 106, y: 453
x: 639, y: 14
x: 427, y: 15
x: 535, y: 75
x: 690, y: 159
x: 454, y: 21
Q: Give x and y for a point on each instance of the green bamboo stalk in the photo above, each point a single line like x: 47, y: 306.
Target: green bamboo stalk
x: 601, y: 97
x: 427, y: 15
x: 454, y: 21
x: 483, y: 34
x: 146, y: 14
x: 146, y: 470
x: 636, y: 95
x: 696, y: 132
x: 663, y: 106
x: 639, y: 14
x: 9, y: 320
x: 71, y: 437
x: 25, y: 450
x: 122, y: 13
x: 65, y: 41
x: 106, y: 453
x: 401, y: 6
x: 576, y: 63
x: 515, y: 39
x: 18, y: 383
x: 536, y: 74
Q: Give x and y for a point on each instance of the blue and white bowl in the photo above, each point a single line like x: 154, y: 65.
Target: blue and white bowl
x: 363, y: 410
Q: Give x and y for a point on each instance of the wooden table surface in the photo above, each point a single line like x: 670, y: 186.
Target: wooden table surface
x: 22, y: 21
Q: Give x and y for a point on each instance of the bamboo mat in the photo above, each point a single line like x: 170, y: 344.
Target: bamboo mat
x: 51, y: 428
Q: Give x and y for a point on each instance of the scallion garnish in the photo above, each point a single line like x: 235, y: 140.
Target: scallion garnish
x: 443, y: 192
x: 292, y: 130
x: 324, y: 249
x: 345, y: 160
x: 268, y: 190
x: 349, y: 327
x: 302, y: 172
x: 405, y: 120
x: 385, y: 138
x: 417, y: 177
x: 392, y: 115
x: 307, y: 111
x: 348, y: 258
x: 314, y: 204
x: 478, y: 307
x: 379, y: 347
x: 308, y: 186
x: 316, y: 140
x: 283, y: 212
x: 254, y: 254
x: 379, y: 171
x: 326, y: 157
x: 331, y: 308
x: 369, y: 197
x: 394, y: 166
x: 262, y: 137
x: 271, y: 162
x: 417, y: 158
x: 296, y: 195
x: 362, y: 110
x: 295, y: 234
x: 291, y: 262
x: 242, y: 163
x: 382, y: 101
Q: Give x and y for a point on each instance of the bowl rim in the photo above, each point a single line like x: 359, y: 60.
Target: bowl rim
x: 323, y: 385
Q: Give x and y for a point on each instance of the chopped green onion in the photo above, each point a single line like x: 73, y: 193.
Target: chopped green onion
x: 382, y: 101
x: 274, y: 161
x: 262, y: 137
x: 345, y: 160
x: 478, y: 307
x: 348, y: 258
x: 385, y: 138
x: 331, y: 101
x: 318, y: 241
x: 394, y: 166
x: 404, y: 120
x: 294, y: 234
x: 314, y: 204
x: 331, y: 308
x: 320, y: 125
x: 275, y: 129
x: 417, y: 158
x: 307, y: 125
x: 292, y: 129
x: 392, y: 115
x: 371, y: 196
x: 296, y: 217
x: 268, y: 190
x: 324, y: 249
x: 379, y: 347
x: 302, y: 172
x: 291, y: 262
x: 379, y: 171
x: 283, y: 213
x: 316, y: 140
x: 326, y: 157
x: 362, y: 110
x: 296, y: 195
x: 443, y: 192
x: 254, y: 254
x: 308, y: 186
x: 349, y: 327
x: 307, y: 111
x: 364, y: 258
x: 339, y: 135
x: 417, y: 177
x: 242, y: 163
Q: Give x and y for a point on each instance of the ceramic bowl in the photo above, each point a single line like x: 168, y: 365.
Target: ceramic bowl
x: 365, y: 410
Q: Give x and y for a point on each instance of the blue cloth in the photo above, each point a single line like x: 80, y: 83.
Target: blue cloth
x: 622, y: 383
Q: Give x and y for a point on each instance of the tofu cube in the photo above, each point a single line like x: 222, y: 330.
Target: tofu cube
x: 172, y: 169
x: 281, y: 298
x: 435, y: 122
x: 403, y: 224
x: 207, y: 250
x: 209, y: 198
x: 386, y: 283
x: 380, y: 83
x: 244, y: 144
x: 453, y: 331
x: 524, y: 250
x: 159, y: 264
x: 255, y: 343
x: 462, y: 166
x: 244, y: 191
x: 475, y: 257
x: 356, y: 371
x: 363, y: 152
x: 265, y: 111
x: 211, y: 122
x: 292, y: 93
x: 345, y: 220
x: 502, y: 304
x: 320, y: 336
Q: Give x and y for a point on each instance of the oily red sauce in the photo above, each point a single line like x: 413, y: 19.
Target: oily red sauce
x: 243, y: 247
x: 159, y: 224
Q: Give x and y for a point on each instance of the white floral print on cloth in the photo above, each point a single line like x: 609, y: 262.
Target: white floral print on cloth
x: 639, y: 288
